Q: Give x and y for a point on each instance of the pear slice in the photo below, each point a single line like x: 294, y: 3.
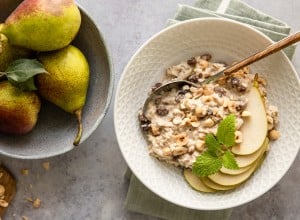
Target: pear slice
x: 232, y: 180
x: 195, y: 182
x: 234, y: 172
x: 216, y: 186
x: 246, y: 160
x: 255, y: 127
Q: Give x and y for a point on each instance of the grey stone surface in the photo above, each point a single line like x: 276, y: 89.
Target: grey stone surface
x: 87, y: 183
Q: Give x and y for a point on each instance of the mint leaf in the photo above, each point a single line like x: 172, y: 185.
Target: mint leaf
x: 213, y: 146
x: 206, y: 164
x: 226, y: 130
x: 20, y: 73
x: 229, y: 161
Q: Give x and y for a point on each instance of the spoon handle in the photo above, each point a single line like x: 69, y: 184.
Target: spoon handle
x: 285, y: 42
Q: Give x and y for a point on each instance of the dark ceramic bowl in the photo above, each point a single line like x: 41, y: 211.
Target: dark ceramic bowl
x: 56, y: 129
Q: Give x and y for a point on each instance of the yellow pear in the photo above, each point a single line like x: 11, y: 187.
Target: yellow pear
x: 67, y: 83
x: 42, y: 25
x: 18, y: 109
x: 9, y: 53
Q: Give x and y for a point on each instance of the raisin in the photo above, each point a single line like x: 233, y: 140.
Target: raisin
x: 239, y: 107
x: 209, y: 112
x: 234, y: 82
x: 220, y: 90
x: 192, y: 61
x: 180, y: 95
x: 144, y: 122
x: 193, y: 78
x: 162, y: 111
x: 157, y: 101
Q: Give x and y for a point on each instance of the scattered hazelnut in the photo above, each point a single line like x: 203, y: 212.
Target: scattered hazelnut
x: 25, y: 172
x: 274, y: 135
x: 36, y: 203
x: 46, y: 165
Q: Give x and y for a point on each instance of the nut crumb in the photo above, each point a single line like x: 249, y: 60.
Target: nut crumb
x: 25, y: 217
x: 1, y: 174
x: 46, y: 165
x: 36, y: 203
x: 3, y: 203
x: 25, y: 172
x: 2, y: 190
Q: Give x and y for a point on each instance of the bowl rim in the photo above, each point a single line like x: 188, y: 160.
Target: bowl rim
x: 174, y: 26
x: 105, y: 109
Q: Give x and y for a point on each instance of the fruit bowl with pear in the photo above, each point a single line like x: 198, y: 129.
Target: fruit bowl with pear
x: 53, y: 56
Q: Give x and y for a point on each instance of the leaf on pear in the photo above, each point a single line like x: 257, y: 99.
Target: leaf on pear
x: 20, y: 73
x: 25, y: 86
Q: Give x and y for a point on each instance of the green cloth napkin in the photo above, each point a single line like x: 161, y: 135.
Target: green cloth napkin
x: 238, y: 11
x: 139, y: 198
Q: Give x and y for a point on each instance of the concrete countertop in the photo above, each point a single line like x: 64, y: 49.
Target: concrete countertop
x: 87, y: 183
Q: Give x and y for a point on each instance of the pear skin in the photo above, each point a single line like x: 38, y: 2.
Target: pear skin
x: 42, y: 25
x: 9, y: 53
x: 18, y: 110
x: 67, y: 83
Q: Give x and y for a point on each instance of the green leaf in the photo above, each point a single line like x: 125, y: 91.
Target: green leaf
x: 25, y: 86
x: 20, y: 73
x: 206, y: 164
x: 229, y: 161
x: 213, y: 146
x: 226, y: 130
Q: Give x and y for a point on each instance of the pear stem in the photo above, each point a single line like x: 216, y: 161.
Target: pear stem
x: 79, y: 132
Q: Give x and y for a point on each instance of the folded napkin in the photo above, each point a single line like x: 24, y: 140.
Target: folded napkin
x: 238, y: 11
x: 139, y: 198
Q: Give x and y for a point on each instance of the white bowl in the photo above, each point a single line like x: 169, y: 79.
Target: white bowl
x: 226, y: 41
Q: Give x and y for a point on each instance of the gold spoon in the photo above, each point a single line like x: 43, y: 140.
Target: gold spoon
x: 285, y: 42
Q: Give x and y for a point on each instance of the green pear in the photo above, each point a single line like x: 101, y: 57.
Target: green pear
x: 9, y: 53
x: 42, y: 25
x: 18, y: 110
x: 67, y: 82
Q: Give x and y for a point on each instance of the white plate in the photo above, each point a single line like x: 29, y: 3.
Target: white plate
x: 226, y: 41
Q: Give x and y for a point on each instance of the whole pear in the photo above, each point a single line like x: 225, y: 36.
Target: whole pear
x: 9, y: 53
x: 18, y: 110
x: 67, y: 83
x: 42, y: 25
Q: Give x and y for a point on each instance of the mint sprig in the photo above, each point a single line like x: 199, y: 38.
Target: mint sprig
x: 218, y: 153
x: 20, y: 73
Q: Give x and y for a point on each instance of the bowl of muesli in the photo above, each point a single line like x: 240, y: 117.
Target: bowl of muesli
x: 214, y: 146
